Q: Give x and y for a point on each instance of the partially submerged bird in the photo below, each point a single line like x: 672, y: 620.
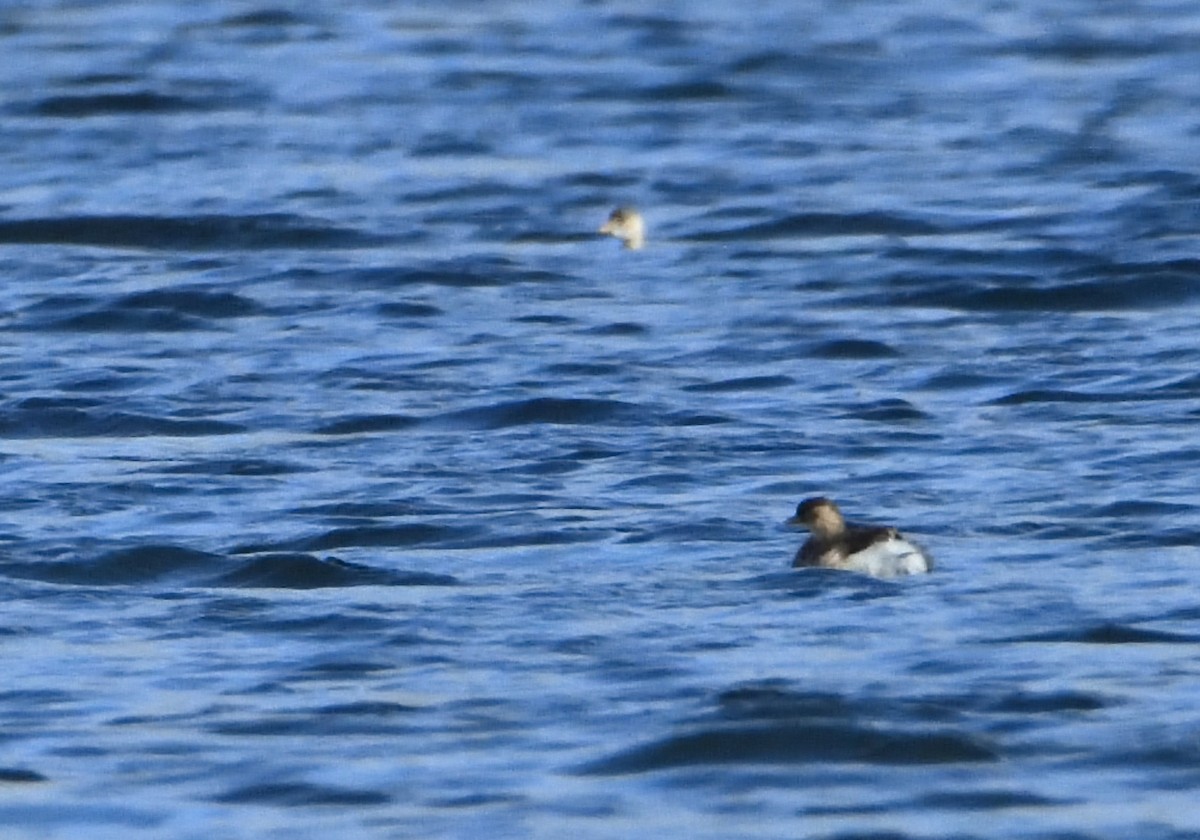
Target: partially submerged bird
x: 877, y: 550
x: 626, y: 224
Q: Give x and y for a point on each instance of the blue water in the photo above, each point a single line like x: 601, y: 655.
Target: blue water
x: 354, y: 487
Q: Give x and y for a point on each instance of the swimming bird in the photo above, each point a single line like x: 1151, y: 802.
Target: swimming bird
x: 877, y: 550
x: 626, y: 224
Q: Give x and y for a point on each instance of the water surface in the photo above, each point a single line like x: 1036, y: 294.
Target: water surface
x: 354, y: 487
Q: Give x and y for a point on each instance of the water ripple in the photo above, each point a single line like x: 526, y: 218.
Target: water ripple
x: 214, y: 232
x: 355, y: 485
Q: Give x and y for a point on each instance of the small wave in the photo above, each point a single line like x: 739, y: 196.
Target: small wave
x: 367, y: 536
x: 620, y: 329
x: 164, y: 310
x: 1049, y: 395
x: 986, y: 800
x: 265, y: 18
x: 305, y: 571
x: 199, y: 302
x: 694, y: 90
x: 160, y: 564
x: 583, y: 369
x: 1080, y: 46
x: 117, y: 321
x: 1034, y: 396
x: 1134, y: 288
x: 460, y: 276
x: 788, y: 743
x: 446, y: 144
x: 894, y: 410
x: 402, y: 309
x: 55, y: 422
x: 369, y: 709
x: 711, y: 529
x: 525, y: 539
x: 103, y: 104
x: 827, y: 224
x: 547, y: 320
x: 123, y: 567
x: 548, y: 410
x: 196, y: 233
x: 1025, y: 703
x: 745, y: 383
x: 853, y: 349
x: 456, y: 273
x: 769, y: 723
x: 367, y: 424
x: 502, y: 82
x: 1184, y: 386
x: 691, y: 418
x: 956, y: 380
x: 301, y: 794
x: 233, y: 467
x: 1110, y: 634
x: 1125, y: 509
x: 1158, y: 538
x: 371, y: 510
x: 772, y: 699
x: 480, y: 800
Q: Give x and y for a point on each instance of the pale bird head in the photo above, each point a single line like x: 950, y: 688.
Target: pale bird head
x: 626, y: 224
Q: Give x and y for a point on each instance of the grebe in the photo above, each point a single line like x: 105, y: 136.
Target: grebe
x: 626, y: 224
x: 877, y: 550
